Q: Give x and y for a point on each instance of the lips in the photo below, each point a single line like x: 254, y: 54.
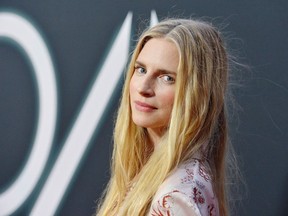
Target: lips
x: 144, y: 107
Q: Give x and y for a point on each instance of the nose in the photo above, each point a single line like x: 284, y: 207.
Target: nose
x: 146, y: 86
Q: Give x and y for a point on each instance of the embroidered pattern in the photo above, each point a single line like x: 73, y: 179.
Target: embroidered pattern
x: 189, y: 177
x: 203, y: 173
x: 210, y: 209
x: 197, y: 196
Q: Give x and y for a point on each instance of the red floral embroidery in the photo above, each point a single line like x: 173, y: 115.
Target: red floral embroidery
x: 210, y: 207
x: 189, y: 178
x: 164, y: 205
x: 203, y: 173
x: 158, y: 212
x: 197, y: 196
x: 165, y: 202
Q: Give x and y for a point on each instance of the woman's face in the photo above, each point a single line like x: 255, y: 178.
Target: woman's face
x: 152, y: 86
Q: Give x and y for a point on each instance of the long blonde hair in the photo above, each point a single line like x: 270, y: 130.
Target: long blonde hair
x: 198, y: 117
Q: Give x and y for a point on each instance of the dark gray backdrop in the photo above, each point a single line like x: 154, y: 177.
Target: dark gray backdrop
x: 79, y: 34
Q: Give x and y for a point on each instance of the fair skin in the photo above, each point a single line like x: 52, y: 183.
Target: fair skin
x: 152, y: 86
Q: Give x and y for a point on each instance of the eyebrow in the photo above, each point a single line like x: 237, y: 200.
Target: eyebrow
x: 161, y: 71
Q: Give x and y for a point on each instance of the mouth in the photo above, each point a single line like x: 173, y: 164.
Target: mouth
x: 144, y: 107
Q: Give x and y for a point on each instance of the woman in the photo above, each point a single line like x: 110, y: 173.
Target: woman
x: 170, y: 136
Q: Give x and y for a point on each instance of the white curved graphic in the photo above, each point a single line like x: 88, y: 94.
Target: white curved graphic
x: 20, y: 30
x: 153, y: 18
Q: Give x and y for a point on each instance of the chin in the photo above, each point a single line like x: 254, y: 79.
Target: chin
x: 142, y: 123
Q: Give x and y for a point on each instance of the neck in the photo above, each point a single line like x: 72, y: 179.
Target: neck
x: 154, y: 136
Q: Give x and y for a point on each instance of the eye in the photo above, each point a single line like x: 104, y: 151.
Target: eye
x: 168, y: 79
x: 140, y: 70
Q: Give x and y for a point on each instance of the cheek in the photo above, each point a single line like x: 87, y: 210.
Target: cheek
x: 168, y: 99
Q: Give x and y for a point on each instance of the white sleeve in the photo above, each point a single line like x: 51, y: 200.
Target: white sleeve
x: 187, y: 191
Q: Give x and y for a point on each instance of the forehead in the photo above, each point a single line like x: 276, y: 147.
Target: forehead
x: 161, y: 53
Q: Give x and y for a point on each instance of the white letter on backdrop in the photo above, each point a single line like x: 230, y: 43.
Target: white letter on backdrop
x: 21, y: 31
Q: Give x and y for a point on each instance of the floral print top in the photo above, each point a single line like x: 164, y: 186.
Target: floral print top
x: 186, y: 192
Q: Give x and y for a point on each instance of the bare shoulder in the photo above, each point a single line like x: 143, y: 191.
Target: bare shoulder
x: 187, y: 191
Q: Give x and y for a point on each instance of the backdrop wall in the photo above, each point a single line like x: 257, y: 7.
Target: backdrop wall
x: 61, y: 73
